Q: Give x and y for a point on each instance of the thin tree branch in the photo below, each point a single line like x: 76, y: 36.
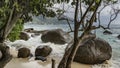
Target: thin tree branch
x: 93, y: 16
x: 99, y: 21
x: 83, y: 17
x: 115, y: 14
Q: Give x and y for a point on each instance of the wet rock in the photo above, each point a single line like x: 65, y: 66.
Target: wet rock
x: 36, y: 32
x: 29, y: 30
x: 118, y: 36
x: 93, y: 51
x: 0, y: 54
x: 24, y: 36
x: 43, y: 51
x: 57, y: 36
x: 107, y: 32
x: 31, y: 55
x: 24, y: 52
x: 40, y: 58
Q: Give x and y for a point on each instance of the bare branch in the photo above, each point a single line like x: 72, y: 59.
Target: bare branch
x: 113, y: 17
x: 93, y: 16
x: 99, y: 13
x: 82, y: 18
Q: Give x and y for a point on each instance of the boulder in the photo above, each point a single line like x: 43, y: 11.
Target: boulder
x: 93, y: 51
x: 36, y: 32
x: 118, y: 36
x: 1, y: 54
x: 24, y: 36
x: 43, y: 51
x: 24, y: 52
x: 57, y: 36
x: 107, y: 32
x: 29, y: 30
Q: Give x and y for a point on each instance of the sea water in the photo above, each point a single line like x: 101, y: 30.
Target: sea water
x: 58, y: 50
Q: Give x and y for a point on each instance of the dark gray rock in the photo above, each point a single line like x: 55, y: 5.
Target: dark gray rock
x: 43, y: 51
x: 36, y: 32
x: 29, y: 30
x: 57, y: 36
x: 93, y: 51
x: 24, y: 52
x: 40, y: 58
x: 24, y: 36
x: 107, y: 32
x: 118, y: 36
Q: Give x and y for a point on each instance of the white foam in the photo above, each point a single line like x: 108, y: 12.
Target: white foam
x: 34, y: 42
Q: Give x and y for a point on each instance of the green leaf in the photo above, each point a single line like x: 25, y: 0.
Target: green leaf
x: 6, y: 1
x: 1, y: 10
x: 92, y: 8
x: 97, y: 1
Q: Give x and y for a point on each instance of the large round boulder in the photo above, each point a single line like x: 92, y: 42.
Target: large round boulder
x: 24, y: 36
x: 24, y: 52
x: 43, y: 51
x: 93, y: 51
x: 57, y: 36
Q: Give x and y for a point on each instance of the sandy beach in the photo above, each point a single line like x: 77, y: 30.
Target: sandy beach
x: 25, y: 63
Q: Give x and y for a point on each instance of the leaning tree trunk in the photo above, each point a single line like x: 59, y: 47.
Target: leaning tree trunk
x: 4, y: 32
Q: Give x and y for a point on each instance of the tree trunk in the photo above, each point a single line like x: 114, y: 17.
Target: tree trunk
x: 4, y: 32
x: 64, y: 60
x: 6, y: 57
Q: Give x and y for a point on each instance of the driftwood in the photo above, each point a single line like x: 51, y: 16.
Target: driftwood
x: 53, y: 63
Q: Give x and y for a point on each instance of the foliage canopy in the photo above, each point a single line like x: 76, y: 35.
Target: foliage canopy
x: 10, y: 9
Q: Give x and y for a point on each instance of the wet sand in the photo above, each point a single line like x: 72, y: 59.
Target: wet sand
x: 25, y: 63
